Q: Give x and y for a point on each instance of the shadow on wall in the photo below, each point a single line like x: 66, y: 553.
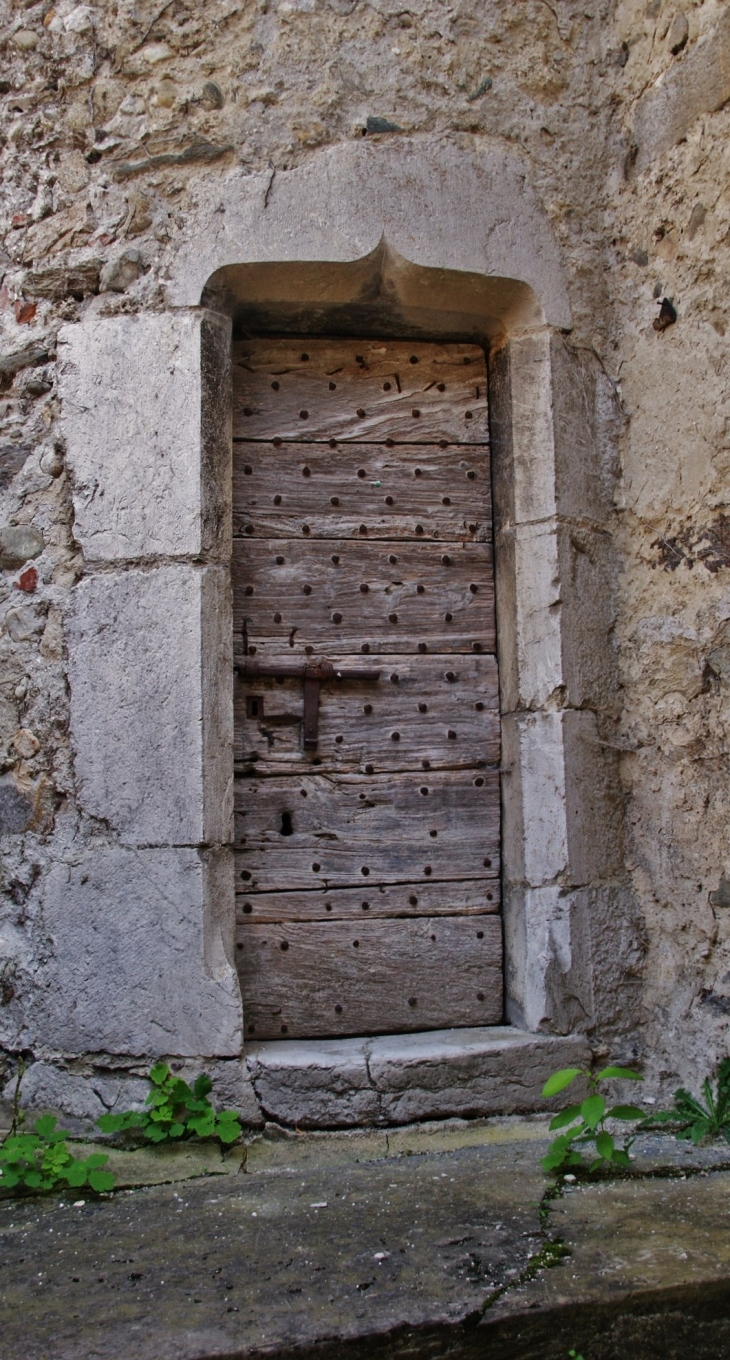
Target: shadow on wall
x: 380, y: 294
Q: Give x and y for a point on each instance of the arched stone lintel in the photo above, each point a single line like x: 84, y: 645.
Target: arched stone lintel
x: 454, y: 205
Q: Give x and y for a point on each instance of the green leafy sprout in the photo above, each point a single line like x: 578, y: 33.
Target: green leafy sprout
x: 699, y: 1123
x: 175, y: 1110
x: 585, y: 1123
x: 40, y: 1161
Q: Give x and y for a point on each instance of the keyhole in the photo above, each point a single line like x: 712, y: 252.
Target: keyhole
x: 254, y: 706
x: 286, y: 824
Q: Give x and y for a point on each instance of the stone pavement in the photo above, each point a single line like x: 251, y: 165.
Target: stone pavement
x: 435, y: 1241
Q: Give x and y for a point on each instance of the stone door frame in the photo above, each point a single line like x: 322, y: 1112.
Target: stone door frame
x: 461, y: 244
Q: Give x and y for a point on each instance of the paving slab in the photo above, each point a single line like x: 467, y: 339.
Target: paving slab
x: 648, y: 1276
x: 435, y: 1241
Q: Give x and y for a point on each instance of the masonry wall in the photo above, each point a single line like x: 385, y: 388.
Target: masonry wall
x: 120, y: 124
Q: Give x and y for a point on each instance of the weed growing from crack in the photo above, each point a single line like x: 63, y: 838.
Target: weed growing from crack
x: 585, y: 1123
x: 174, y: 1110
x: 699, y: 1123
x: 39, y: 1160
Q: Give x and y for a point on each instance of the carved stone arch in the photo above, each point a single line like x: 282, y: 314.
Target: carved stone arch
x: 438, y: 203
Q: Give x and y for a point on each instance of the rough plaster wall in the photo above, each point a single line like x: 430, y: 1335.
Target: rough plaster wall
x: 672, y: 230
x: 117, y: 121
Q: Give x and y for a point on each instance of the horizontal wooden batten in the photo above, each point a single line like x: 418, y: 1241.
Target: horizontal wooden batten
x: 476, y: 898
x: 392, y: 598
x: 439, y: 709
x: 444, y: 493
x: 335, y: 978
x: 353, y: 829
x: 367, y: 390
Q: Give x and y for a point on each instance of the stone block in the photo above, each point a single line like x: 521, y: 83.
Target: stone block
x: 619, y: 946
x: 151, y: 703
x: 467, y: 1072
x: 538, y: 613
x: 562, y: 802
x: 438, y: 202
x: 535, y: 836
x: 533, y: 453
x: 594, y: 800
x: 121, y: 272
x: 80, y: 1098
x: 398, y: 1079
x: 232, y: 1086
x: 127, y: 968
x: 313, y: 1083
x: 146, y: 421
x: 18, y: 543
x: 16, y: 810
x: 233, y: 1090
x: 508, y: 636
x: 586, y: 428
x: 554, y: 420
x: 699, y: 83
x: 587, y: 569
x: 529, y: 597
x: 25, y: 622
x: 557, y: 966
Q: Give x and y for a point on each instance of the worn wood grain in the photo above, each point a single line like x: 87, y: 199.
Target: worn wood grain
x: 359, y: 389
x: 340, y: 830
x: 334, y: 491
x: 367, y: 871
x: 477, y: 898
x: 334, y: 978
x: 438, y: 709
x: 292, y: 593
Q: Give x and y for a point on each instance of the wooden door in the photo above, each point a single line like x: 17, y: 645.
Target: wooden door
x: 367, y: 868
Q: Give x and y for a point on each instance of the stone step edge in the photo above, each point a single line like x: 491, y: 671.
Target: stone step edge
x: 409, y: 1078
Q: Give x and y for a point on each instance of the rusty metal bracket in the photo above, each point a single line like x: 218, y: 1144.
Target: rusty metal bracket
x: 313, y: 676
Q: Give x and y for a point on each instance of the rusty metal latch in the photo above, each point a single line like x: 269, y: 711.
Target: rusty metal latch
x: 312, y: 675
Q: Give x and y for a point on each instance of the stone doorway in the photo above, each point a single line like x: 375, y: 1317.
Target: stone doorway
x: 367, y: 789
x: 143, y: 924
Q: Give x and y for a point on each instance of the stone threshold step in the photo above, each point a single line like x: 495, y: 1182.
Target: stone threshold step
x: 405, y: 1078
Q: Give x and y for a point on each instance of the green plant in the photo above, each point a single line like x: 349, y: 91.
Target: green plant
x: 175, y: 1110
x: 41, y: 1161
x: 573, y: 1355
x: 585, y: 1123
x: 693, y: 1120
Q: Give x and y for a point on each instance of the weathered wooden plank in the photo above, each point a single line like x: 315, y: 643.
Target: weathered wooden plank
x: 334, y: 978
x: 392, y: 725
x: 392, y: 598
x: 361, y: 904
x: 359, y: 389
x: 334, y: 491
x: 339, y: 830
